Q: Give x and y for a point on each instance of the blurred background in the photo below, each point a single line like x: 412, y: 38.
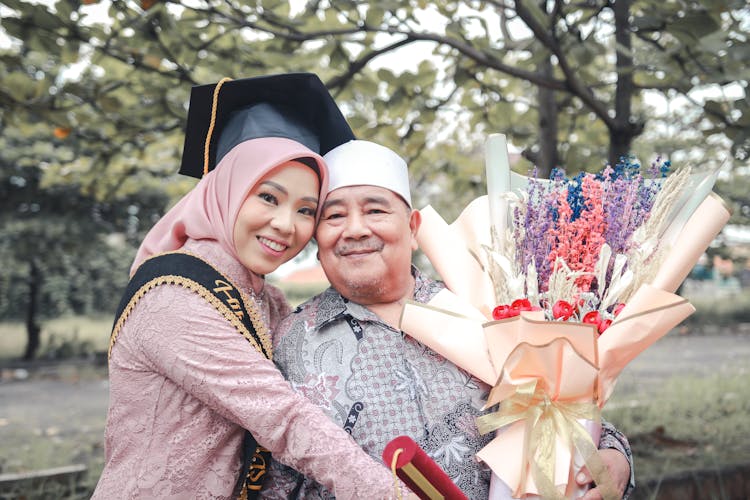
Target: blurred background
x: 94, y: 98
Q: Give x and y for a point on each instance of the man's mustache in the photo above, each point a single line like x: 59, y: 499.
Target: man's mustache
x: 354, y: 248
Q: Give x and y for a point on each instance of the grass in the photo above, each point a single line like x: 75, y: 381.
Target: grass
x: 49, y: 441
x: 685, y: 423
x: 80, y: 336
x: 40, y: 449
x: 64, y: 337
x: 689, y: 423
x: 719, y: 310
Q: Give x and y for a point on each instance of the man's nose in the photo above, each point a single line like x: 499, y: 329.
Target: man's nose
x: 356, y: 227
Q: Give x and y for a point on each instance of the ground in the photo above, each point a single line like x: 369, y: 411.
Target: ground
x: 55, y: 415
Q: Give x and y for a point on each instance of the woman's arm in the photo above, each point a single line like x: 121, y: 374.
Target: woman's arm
x: 200, y: 351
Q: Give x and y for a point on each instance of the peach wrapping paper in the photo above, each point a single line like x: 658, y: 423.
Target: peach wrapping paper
x: 453, y: 251
x: 500, y: 490
x: 455, y: 325
x: 697, y: 233
x: 583, y: 369
x: 545, y: 361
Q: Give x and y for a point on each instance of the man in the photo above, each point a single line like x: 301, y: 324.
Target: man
x: 344, y: 350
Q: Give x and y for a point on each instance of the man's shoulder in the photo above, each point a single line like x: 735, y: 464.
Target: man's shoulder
x: 310, y: 317
x: 425, y: 287
x: 307, y: 310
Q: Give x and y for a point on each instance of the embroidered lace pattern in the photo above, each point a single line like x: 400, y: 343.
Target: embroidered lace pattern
x: 256, y: 316
x: 184, y: 386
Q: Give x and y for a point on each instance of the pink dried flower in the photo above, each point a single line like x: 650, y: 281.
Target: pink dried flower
x: 578, y: 241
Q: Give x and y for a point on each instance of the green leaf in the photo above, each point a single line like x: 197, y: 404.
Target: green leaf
x: 17, y: 5
x: 64, y: 8
x: 41, y: 18
x: 581, y: 54
x: 375, y: 15
x: 15, y: 27
x: 713, y: 42
x: 70, y: 54
x: 455, y: 29
x: 693, y: 26
x: 712, y: 106
x: 18, y: 85
x: 647, y: 22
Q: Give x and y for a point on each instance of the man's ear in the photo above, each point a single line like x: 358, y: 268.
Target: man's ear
x: 415, y: 220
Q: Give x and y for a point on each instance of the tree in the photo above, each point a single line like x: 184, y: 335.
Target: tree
x: 70, y: 180
x: 605, y: 54
x: 98, y: 104
x: 61, y: 251
x: 482, y: 64
x: 734, y: 192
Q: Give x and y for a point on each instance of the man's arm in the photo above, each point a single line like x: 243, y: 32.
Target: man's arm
x: 615, y: 452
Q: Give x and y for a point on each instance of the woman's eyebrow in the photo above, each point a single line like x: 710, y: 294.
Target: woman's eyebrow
x: 276, y: 186
x: 311, y: 199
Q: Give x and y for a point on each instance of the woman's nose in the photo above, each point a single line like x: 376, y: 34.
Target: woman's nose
x: 283, y: 221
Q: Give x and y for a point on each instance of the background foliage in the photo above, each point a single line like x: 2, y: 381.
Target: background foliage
x: 94, y: 100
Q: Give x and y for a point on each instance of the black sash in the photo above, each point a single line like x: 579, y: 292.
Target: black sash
x: 184, y: 268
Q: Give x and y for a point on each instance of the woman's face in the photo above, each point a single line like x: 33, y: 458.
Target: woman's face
x: 277, y: 218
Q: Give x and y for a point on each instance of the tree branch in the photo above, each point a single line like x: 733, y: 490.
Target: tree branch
x: 573, y: 83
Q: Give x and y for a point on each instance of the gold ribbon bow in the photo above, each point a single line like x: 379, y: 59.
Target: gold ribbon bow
x: 544, y: 419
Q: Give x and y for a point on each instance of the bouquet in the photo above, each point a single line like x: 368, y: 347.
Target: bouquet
x: 553, y: 287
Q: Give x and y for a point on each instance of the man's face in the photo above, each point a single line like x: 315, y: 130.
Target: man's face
x: 366, y: 237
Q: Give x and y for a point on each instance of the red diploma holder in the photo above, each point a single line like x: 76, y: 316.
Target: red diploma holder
x: 418, y: 471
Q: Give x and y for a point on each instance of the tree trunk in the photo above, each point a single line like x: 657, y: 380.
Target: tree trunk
x: 625, y: 127
x: 33, y: 329
x: 548, y: 158
x: 619, y: 146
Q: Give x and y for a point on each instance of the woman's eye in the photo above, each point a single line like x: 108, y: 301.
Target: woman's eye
x: 307, y: 211
x: 267, y: 197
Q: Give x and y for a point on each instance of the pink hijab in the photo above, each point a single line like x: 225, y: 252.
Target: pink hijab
x: 210, y: 209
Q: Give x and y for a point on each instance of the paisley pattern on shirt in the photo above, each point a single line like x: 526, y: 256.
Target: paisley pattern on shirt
x: 379, y: 384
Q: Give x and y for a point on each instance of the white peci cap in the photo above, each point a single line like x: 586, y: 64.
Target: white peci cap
x: 364, y: 163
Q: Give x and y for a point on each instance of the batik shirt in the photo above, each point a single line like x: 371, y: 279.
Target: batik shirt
x: 379, y: 383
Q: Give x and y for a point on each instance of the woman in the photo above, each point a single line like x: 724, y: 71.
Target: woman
x: 188, y: 371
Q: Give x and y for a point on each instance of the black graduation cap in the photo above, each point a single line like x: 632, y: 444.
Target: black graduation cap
x: 297, y: 106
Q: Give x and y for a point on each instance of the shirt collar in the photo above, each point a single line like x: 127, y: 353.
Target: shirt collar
x: 332, y: 306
